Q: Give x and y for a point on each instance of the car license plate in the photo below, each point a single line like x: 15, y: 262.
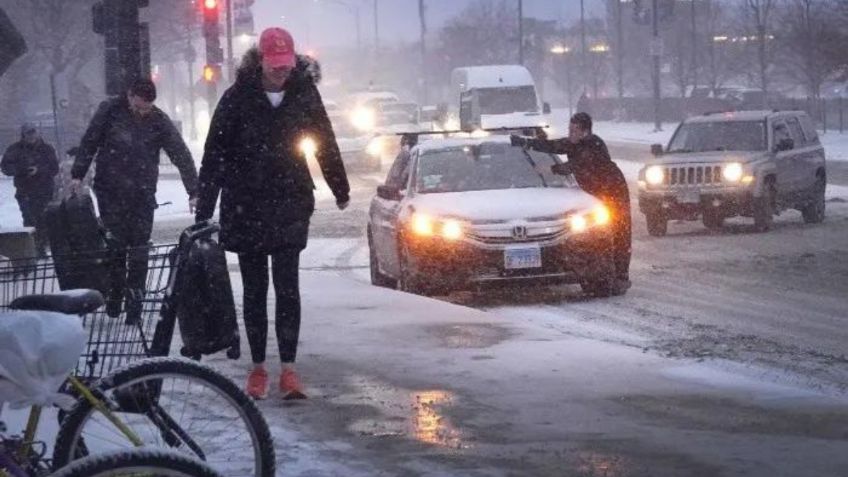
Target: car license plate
x: 689, y: 196
x: 517, y: 258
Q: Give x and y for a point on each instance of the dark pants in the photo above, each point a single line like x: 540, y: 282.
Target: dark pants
x: 619, y: 206
x: 32, y: 210
x: 254, y: 273
x: 129, y: 223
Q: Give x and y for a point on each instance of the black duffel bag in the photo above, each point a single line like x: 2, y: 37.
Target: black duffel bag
x: 78, y: 244
x: 206, y: 311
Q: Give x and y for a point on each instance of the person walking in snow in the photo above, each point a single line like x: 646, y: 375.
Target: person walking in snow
x: 595, y: 172
x: 125, y: 137
x: 254, y: 160
x: 33, y: 164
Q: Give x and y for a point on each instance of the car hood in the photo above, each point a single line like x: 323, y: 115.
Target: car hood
x: 507, y: 205
x: 708, y: 157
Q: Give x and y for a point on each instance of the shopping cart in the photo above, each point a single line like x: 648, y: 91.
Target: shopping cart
x: 112, y: 342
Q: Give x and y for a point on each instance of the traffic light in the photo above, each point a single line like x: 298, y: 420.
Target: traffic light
x: 211, y: 10
x: 126, y: 41
x: 211, y: 73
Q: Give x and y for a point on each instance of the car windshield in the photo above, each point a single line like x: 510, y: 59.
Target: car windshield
x: 507, y: 100
x: 485, y: 167
x: 719, y: 136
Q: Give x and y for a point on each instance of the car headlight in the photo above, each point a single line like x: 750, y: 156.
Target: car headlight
x: 374, y: 147
x: 451, y: 124
x: 364, y: 119
x: 654, y: 175
x: 308, y: 147
x: 598, y: 217
x: 732, y: 172
x: 424, y: 225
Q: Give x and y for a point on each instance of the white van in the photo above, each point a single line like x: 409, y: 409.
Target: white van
x: 493, y: 95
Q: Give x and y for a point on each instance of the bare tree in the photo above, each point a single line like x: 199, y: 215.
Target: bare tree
x: 758, y: 17
x: 808, y: 42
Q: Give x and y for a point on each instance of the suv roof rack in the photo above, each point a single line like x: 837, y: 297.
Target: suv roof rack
x: 536, y: 130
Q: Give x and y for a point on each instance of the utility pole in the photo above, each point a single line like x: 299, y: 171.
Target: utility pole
x: 520, y: 32
x: 230, y: 61
x: 656, y: 52
x: 422, y: 18
x: 619, y: 48
x: 583, y: 45
x: 694, y: 47
x: 376, y: 30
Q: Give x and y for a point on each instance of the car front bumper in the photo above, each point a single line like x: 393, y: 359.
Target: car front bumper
x: 465, y: 264
x: 690, y: 204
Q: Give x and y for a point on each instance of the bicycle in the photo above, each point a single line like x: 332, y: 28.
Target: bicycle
x: 18, y: 455
x: 170, y: 403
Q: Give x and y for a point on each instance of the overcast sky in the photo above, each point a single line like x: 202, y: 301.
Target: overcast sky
x: 320, y: 23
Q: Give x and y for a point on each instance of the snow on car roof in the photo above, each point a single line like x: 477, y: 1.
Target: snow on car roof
x: 737, y: 116
x: 435, y: 144
x: 497, y: 76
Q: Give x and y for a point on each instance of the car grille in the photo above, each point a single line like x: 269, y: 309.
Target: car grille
x: 506, y: 234
x: 692, y: 175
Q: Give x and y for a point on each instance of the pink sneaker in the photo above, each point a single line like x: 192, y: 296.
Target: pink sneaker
x: 290, y: 385
x: 257, y: 384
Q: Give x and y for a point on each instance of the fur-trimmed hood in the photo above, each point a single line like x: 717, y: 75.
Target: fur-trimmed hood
x: 250, y: 70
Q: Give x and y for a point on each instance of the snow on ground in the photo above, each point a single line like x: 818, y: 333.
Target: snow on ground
x: 10, y: 215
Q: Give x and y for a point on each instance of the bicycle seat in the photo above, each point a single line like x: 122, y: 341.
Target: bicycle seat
x: 69, y: 302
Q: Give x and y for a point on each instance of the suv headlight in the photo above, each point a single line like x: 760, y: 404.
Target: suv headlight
x: 654, y: 175
x: 732, y: 172
x: 423, y: 225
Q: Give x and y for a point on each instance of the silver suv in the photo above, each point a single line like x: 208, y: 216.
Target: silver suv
x: 749, y: 163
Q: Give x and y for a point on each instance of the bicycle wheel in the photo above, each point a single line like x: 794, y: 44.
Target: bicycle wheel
x: 174, y: 404
x: 138, y: 462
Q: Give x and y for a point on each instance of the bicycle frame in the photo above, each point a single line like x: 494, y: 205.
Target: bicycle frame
x: 24, y: 451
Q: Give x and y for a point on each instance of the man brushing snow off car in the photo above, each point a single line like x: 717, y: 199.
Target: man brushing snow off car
x: 597, y: 174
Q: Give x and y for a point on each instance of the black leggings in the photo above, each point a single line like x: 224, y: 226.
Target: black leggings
x: 254, y: 274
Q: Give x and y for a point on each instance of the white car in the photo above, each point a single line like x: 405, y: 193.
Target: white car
x: 462, y: 213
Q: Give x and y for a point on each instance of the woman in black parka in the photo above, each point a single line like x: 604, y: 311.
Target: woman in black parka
x: 254, y: 158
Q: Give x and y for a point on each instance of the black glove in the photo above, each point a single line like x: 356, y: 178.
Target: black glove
x: 517, y: 140
x: 562, y: 169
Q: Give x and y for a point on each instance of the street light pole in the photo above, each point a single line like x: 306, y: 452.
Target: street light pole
x: 520, y: 32
x: 619, y: 53
x: 656, y: 57
x: 230, y: 61
x: 694, y: 48
x: 376, y: 30
x: 422, y: 18
x: 583, y: 45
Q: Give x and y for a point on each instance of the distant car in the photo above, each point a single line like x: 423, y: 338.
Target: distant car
x: 462, y: 213
x: 357, y: 147
x: 748, y: 163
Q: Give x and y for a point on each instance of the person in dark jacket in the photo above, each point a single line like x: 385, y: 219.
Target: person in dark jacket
x: 254, y: 158
x: 595, y: 172
x: 125, y: 138
x: 33, y: 164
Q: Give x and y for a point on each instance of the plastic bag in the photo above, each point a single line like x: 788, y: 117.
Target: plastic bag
x: 38, y: 350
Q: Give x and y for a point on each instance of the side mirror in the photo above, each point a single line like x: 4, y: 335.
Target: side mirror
x: 388, y: 193
x: 657, y: 150
x: 786, y: 144
x: 546, y: 108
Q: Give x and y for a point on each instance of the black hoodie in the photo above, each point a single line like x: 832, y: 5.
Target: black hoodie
x: 253, y: 159
x: 18, y: 160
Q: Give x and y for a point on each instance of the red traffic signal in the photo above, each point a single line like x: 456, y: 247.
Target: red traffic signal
x: 210, y: 4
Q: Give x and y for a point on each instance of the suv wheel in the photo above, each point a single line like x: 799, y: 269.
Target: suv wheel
x: 713, y: 220
x: 377, y: 278
x: 814, y: 211
x: 657, y: 224
x: 764, y: 208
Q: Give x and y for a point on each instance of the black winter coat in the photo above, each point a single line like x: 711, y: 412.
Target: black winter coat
x: 253, y: 159
x: 590, y: 162
x: 17, y: 160
x: 127, y: 147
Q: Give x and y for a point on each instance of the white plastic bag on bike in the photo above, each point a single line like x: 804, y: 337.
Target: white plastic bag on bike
x: 38, y: 350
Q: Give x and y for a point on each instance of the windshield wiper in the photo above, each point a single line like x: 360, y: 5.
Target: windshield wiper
x: 533, y: 165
